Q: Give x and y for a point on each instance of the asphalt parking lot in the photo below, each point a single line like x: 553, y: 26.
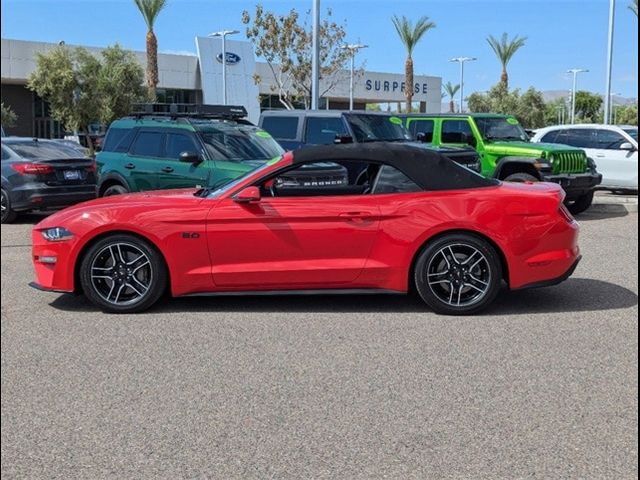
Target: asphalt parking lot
x: 543, y: 385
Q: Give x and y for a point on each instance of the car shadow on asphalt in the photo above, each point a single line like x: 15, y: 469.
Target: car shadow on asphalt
x: 613, y: 211
x: 574, y: 295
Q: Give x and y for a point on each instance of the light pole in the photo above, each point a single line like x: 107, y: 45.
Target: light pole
x: 575, y: 72
x: 223, y: 34
x: 315, y: 55
x: 612, y: 107
x: 461, y: 61
x: 353, y: 49
x: 607, y: 99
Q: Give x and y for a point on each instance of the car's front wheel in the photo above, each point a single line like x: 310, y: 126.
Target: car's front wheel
x: 458, y: 274
x: 123, y: 274
x: 580, y: 204
x: 115, y: 189
x: 8, y: 214
x: 521, y: 178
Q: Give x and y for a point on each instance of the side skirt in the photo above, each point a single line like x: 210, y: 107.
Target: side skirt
x: 327, y: 291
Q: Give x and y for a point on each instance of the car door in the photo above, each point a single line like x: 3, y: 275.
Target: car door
x: 619, y: 167
x: 172, y: 173
x: 287, y: 242
x: 144, y: 159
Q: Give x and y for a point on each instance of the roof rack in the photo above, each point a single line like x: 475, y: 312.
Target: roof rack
x: 192, y: 110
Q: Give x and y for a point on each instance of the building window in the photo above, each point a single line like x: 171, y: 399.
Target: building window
x: 175, y: 95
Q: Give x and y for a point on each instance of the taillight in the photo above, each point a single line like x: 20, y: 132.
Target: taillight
x: 32, y: 168
x: 566, y: 214
x: 92, y: 168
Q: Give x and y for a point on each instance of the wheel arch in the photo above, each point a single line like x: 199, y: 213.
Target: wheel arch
x: 503, y: 259
x: 111, y: 179
x: 77, y: 288
x: 509, y: 165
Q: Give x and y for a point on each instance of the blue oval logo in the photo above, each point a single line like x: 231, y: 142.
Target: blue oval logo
x: 232, y: 58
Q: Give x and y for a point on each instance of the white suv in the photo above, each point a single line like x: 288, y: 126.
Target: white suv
x: 613, y: 148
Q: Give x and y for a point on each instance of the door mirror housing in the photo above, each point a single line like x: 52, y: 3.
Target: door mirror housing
x: 190, y: 157
x: 342, y: 138
x: 421, y: 137
x: 247, y: 195
x: 627, y: 146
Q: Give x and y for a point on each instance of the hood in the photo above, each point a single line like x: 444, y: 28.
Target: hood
x: 526, y: 148
x: 151, y: 200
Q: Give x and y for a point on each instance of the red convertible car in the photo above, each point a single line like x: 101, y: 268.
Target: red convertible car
x: 411, y: 220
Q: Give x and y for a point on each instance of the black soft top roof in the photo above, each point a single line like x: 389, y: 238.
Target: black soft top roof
x: 427, y: 168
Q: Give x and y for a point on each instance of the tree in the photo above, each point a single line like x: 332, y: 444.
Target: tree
x: 286, y: 46
x: 588, y: 106
x: 82, y: 89
x: 150, y: 10
x: 529, y: 108
x: 633, y: 6
x: 410, y: 35
x: 626, y: 115
x: 9, y: 117
x: 505, y: 49
x: 451, y: 91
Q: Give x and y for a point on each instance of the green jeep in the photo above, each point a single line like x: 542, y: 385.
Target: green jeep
x: 166, y: 148
x: 506, y: 153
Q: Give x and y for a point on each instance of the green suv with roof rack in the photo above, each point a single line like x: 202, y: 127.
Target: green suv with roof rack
x: 179, y: 146
x: 507, y: 154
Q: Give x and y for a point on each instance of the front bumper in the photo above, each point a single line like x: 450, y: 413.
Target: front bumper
x: 42, y: 196
x: 575, y: 184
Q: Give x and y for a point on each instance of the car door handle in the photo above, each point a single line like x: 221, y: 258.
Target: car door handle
x: 130, y: 166
x: 600, y: 155
x: 167, y: 169
x: 356, y: 215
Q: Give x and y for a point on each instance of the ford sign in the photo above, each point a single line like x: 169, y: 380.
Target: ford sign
x: 232, y: 58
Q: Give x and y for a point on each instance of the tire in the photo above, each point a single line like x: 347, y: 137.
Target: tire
x: 123, y: 273
x: 581, y: 203
x: 455, y: 287
x: 8, y: 215
x: 115, y: 189
x: 521, y: 178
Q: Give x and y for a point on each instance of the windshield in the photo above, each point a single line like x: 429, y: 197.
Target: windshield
x: 501, y: 129
x: 632, y: 132
x: 376, y: 128
x: 219, y: 189
x: 237, y: 142
x: 45, y: 150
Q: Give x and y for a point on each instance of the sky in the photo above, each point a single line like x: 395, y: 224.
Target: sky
x: 562, y: 34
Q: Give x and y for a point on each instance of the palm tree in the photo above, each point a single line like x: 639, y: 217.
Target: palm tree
x: 633, y: 6
x: 504, y: 50
x: 410, y: 35
x: 451, y: 91
x: 150, y: 10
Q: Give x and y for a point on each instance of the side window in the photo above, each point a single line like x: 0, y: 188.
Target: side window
x: 608, y: 140
x: 118, y: 139
x: 422, y: 126
x: 580, y: 138
x: 5, y: 153
x: 456, y: 131
x: 147, y: 144
x: 285, y: 128
x: 392, y: 180
x: 550, y: 137
x: 178, y: 143
x: 323, y: 131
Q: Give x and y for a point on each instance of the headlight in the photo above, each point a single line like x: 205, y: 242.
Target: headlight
x: 56, y: 234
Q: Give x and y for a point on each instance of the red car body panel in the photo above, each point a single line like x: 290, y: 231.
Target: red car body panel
x: 332, y: 242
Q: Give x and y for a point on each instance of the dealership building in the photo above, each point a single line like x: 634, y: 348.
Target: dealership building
x: 197, y: 78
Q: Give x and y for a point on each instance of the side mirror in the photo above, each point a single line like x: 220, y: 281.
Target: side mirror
x: 627, y: 146
x: 471, y: 140
x: 247, y: 195
x: 342, y: 138
x: 421, y: 137
x: 190, y: 157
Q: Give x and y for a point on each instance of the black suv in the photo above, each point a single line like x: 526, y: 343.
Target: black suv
x: 300, y: 128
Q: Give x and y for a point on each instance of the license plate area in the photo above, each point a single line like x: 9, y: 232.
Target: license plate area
x: 72, y: 175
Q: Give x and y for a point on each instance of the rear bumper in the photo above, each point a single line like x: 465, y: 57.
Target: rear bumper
x: 42, y: 196
x: 553, y: 281
x: 575, y: 185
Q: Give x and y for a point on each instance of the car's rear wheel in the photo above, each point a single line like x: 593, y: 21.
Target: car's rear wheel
x: 115, y: 189
x: 123, y: 274
x: 581, y: 203
x: 458, y: 274
x: 8, y: 214
x: 521, y: 178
